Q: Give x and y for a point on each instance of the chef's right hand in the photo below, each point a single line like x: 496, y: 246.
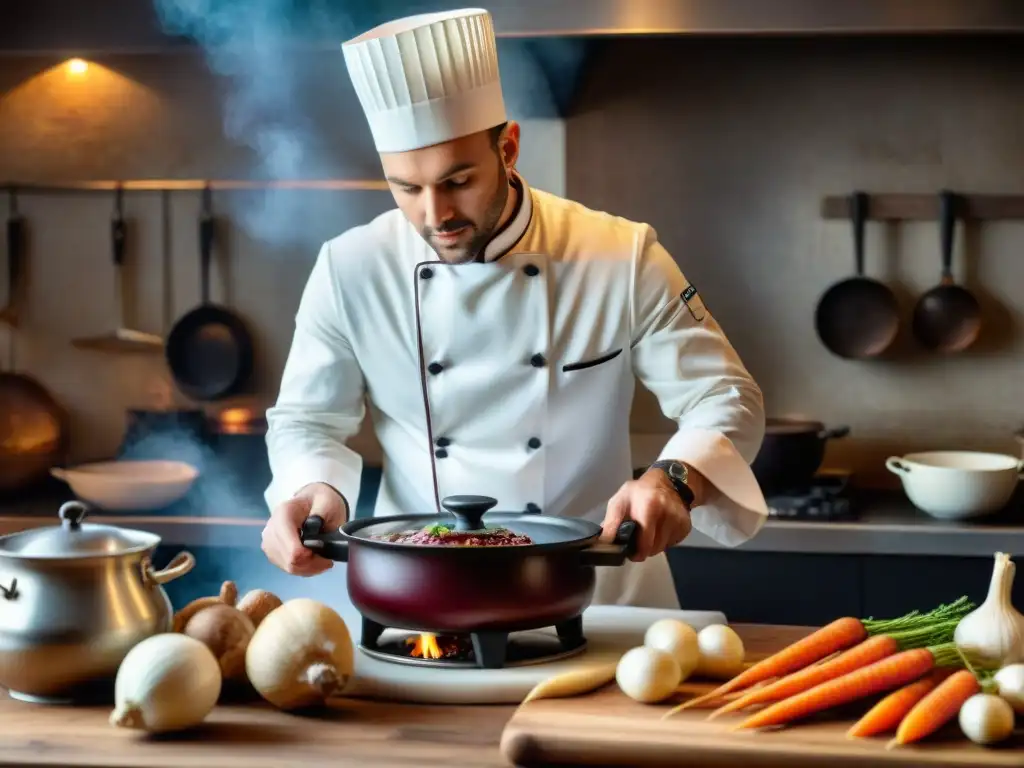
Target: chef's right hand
x: 281, y: 542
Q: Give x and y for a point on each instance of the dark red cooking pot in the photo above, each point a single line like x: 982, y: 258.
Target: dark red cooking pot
x: 446, y: 589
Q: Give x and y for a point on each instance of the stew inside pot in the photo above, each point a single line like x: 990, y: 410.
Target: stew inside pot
x: 441, y: 535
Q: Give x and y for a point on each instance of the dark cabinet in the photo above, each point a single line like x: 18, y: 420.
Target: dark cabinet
x: 811, y: 589
x: 768, y: 587
x: 897, y: 585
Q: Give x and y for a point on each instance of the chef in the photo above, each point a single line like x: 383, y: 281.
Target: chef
x: 496, y: 333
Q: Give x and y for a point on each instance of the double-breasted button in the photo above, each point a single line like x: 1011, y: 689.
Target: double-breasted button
x: 532, y: 509
x: 426, y: 273
x: 538, y: 361
x: 441, y: 453
x: 443, y: 442
x: 534, y: 442
x: 435, y: 368
x: 531, y: 270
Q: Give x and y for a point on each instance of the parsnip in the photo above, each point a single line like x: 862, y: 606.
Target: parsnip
x: 575, y: 682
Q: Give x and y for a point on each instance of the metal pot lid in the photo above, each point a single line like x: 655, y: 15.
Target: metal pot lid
x: 469, y: 514
x: 73, y: 538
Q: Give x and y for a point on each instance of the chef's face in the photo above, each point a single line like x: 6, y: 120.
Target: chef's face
x: 456, y: 194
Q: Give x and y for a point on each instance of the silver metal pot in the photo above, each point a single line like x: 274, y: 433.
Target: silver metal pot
x: 74, y: 599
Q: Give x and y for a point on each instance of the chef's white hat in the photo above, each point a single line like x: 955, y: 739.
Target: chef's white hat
x: 427, y: 79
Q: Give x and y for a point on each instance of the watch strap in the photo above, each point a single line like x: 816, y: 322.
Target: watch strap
x: 676, y: 472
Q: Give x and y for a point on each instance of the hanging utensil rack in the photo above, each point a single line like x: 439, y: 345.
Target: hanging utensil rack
x: 925, y: 207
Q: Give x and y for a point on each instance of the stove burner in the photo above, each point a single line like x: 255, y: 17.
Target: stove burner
x: 826, y: 498
x: 480, y: 650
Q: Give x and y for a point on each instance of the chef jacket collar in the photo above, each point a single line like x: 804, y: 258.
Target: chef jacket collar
x: 513, y: 230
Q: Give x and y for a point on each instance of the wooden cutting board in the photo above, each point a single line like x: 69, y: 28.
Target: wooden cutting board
x: 608, y: 728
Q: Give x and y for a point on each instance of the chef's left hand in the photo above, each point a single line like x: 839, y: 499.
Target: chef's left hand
x: 654, y: 505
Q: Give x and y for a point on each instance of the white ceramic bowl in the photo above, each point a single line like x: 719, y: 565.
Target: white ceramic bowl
x: 129, y: 485
x: 957, y: 485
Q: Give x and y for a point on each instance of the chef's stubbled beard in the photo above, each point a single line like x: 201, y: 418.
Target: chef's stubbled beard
x: 482, y: 233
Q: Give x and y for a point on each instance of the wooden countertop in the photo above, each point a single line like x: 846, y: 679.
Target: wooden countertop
x: 350, y: 733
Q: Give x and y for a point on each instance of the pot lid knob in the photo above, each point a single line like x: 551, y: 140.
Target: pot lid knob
x: 72, y: 513
x: 468, y: 510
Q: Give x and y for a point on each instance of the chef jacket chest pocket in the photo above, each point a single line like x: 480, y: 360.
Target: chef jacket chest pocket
x: 592, y: 361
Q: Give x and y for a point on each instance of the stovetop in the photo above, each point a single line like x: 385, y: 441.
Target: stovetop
x: 479, y: 650
x: 827, y: 498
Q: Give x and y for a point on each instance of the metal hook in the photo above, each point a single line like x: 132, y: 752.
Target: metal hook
x: 119, y: 200
x: 207, y: 199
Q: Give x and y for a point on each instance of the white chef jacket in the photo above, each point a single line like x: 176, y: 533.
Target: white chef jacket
x: 513, y: 377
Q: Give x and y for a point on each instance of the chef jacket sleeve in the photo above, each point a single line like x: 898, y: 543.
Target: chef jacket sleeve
x: 321, y: 400
x: 682, y: 355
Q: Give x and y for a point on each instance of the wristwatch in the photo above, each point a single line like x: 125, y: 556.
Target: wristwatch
x: 678, y: 474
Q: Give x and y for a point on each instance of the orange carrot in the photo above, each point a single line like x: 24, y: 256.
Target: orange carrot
x: 886, y: 715
x: 839, y: 635
x: 884, y: 675
x: 871, y: 650
x: 937, y: 708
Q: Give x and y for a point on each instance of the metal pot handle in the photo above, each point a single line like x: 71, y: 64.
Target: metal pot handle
x: 616, y: 553
x: 329, y: 545
x: 182, y: 563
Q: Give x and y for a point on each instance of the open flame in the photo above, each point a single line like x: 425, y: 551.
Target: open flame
x: 235, y: 420
x: 425, y: 646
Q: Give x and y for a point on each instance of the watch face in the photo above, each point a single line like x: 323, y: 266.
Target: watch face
x: 677, y: 471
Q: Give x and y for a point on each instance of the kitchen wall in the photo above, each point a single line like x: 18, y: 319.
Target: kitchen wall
x: 727, y: 148
x: 167, y: 117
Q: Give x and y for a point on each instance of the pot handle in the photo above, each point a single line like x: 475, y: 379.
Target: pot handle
x: 835, y: 432
x: 182, y: 563
x: 616, y: 553
x: 328, y: 545
x: 11, y: 592
x: 897, y: 467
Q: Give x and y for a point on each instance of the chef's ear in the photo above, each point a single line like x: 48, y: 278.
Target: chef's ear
x: 508, y: 144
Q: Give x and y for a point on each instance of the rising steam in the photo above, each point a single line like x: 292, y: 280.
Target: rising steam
x: 288, y: 99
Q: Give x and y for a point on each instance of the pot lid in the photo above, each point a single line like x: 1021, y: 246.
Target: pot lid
x: 469, y: 514
x: 73, y: 538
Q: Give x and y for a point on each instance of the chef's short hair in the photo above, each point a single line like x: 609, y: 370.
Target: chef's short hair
x: 496, y: 133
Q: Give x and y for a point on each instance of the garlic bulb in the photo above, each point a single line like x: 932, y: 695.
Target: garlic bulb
x: 678, y: 639
x: 993, y: 633
x: 648, y: 675
x: 166, y: 682
x: 986, y: 719
x: 1010, y: 684
x: 721, y: 652
x: 300, y: 655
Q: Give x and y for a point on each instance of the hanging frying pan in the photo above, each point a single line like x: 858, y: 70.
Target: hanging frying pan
x: 947, y: 318
x: 33, y: 425
x: 858, y: 317
x: 209, y: 350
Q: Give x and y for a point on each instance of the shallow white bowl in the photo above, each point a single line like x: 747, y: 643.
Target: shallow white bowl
x: 957, y: 485
x: 129, y: 485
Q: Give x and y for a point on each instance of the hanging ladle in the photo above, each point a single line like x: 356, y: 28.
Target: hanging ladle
x: 121, y: 339
x: 947, y: 318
